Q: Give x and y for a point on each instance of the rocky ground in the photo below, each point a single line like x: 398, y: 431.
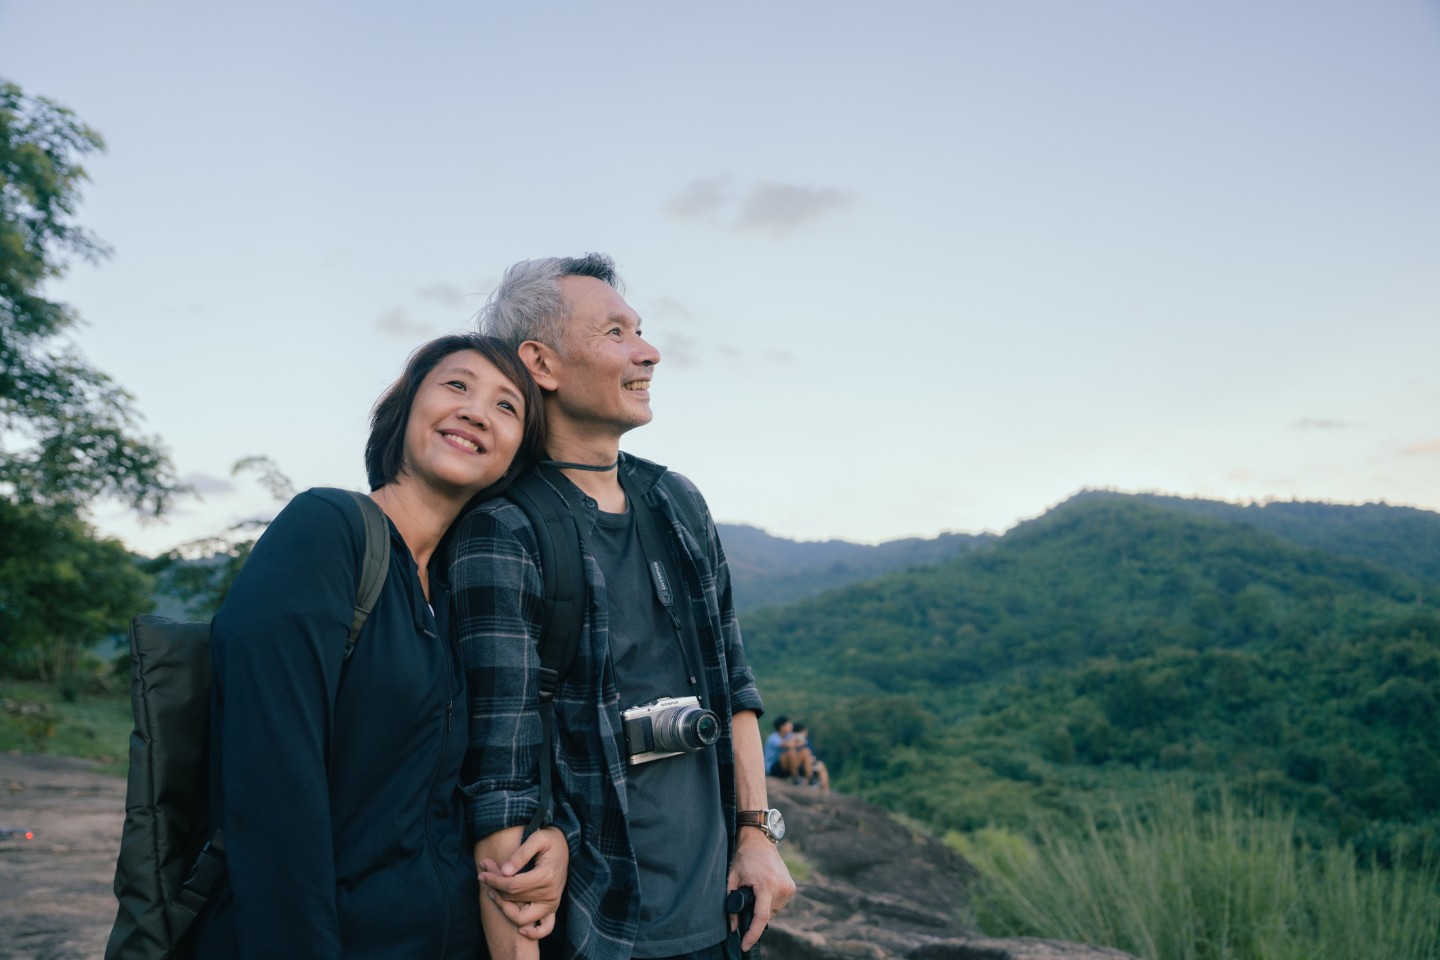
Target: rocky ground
x: 875, y: 889
x: 55, y: 890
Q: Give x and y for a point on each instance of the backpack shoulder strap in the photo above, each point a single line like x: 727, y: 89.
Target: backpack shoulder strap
x: 562, y: 572
x: 558, y: 540
x: 684, y: 498
x: 374, y: 567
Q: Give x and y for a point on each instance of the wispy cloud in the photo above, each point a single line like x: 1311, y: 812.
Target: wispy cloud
x: 667, y: 308
x: 446, y: 294
x: 701, y: 197
x: 203, y: 483
x: 782, y: 207
x: 1422, y: 448
x: 739, y: 358
x: 397, y: 323
x: 679, y: 352
x: 769, y: 206
x: 1322, y: 423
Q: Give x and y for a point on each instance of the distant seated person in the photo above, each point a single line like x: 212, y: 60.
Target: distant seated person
x: 782, y: 758
x: 811, y: 766
x: 788, y: 755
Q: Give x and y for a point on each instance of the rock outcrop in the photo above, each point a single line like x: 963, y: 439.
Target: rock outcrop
x: 871, y: 888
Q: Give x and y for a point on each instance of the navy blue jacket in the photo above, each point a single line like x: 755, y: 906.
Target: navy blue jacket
x: 337, y: 783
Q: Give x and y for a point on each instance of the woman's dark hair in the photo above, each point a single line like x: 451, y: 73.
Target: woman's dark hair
x: 385, y: 450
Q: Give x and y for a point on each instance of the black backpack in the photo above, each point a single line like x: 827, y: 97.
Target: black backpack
x: 168, y: 869
x: 566, y: 596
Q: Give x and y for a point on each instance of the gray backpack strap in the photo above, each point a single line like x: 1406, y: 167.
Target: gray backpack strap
x: 566, y: 594
x: 374, y: 567
x: 684, y: 500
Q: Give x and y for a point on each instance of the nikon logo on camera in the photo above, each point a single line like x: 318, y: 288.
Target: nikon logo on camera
x: 668, y: 727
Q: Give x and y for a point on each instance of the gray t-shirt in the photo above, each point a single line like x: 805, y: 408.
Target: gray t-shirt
x: 676, y: 822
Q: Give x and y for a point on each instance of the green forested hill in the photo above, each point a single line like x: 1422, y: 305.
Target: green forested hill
x: 1116, y: 641
x: 771, y: 571
x: 1401, y: 537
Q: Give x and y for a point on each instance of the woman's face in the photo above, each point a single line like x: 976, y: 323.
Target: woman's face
x: 466, y: 423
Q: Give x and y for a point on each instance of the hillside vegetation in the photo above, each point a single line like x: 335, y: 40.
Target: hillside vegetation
x: 1400, y: 537
x: 1116, y: 643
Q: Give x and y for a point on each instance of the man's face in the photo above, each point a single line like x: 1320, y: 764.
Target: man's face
x: 603, y: 379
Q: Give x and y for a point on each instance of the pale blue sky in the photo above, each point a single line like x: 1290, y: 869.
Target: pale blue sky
x: 931, y: 266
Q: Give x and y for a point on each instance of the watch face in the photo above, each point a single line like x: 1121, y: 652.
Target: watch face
x: 776, y: 823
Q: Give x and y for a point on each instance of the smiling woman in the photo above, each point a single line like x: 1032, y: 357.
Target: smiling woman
x: 335, y: 778
x: 459, y: 370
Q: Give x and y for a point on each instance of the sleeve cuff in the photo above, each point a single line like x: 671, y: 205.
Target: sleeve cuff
x: 490, y: 809
x: 747, y: 698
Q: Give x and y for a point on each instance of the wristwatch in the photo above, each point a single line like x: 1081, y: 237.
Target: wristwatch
x: 768, y: 821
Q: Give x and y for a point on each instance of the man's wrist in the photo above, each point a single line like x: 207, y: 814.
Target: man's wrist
x: 754, y: 837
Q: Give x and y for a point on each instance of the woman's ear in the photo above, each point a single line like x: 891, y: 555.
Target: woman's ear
x: 540, y: 360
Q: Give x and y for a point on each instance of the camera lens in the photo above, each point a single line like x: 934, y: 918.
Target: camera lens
x: 685, y: 729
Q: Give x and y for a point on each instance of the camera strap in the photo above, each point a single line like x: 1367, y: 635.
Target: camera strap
x: 651, y: 545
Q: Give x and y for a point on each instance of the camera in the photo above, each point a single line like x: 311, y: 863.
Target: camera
x: 668, y: 727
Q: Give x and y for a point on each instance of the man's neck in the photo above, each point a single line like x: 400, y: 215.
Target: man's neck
x: 601, y: 485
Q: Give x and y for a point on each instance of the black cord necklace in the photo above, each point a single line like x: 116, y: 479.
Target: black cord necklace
x: 567, y: 465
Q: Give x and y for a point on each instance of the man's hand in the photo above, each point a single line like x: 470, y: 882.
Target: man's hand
x: 757, y: 865
x: 530, y: 897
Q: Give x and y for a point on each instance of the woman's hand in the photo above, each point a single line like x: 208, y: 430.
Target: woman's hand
x: 528, y: 885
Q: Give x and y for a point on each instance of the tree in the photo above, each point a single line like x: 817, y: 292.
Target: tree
x: 73, y: 428
x: 61, y: 589
x: 68, y: 432
x: 200, y: 573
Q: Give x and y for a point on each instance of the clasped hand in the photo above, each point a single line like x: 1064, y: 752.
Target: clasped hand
x: 528, y: 885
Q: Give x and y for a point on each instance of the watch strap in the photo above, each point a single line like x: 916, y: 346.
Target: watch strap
x: 754, y: 818
x: 759, y: 819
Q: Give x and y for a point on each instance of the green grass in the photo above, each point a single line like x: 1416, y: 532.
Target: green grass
x: 1186, y: 880
x: 36, y: 718
x: 800, y: 869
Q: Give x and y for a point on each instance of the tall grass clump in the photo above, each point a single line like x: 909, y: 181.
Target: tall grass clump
x: 1187, y: 880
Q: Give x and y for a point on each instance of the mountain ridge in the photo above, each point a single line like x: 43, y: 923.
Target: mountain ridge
x: 1112, y: 642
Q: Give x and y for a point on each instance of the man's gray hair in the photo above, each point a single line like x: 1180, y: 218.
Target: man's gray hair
x: 529, y: 304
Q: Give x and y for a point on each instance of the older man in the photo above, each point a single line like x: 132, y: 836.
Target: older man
x: 656, y: 841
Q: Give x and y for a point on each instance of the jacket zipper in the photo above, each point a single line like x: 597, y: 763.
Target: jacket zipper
x: 430, y: 796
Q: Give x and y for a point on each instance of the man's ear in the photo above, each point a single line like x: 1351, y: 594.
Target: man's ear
x: 540, y: 359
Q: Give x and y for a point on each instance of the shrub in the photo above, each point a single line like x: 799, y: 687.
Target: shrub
x: 1191, y: 878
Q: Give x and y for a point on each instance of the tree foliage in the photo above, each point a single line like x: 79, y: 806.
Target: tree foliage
x: 61, y: 590
x: 196, y: 577
x: 68, y: 432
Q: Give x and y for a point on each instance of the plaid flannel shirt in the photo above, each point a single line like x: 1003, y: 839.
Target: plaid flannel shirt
x: 498, y: 597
